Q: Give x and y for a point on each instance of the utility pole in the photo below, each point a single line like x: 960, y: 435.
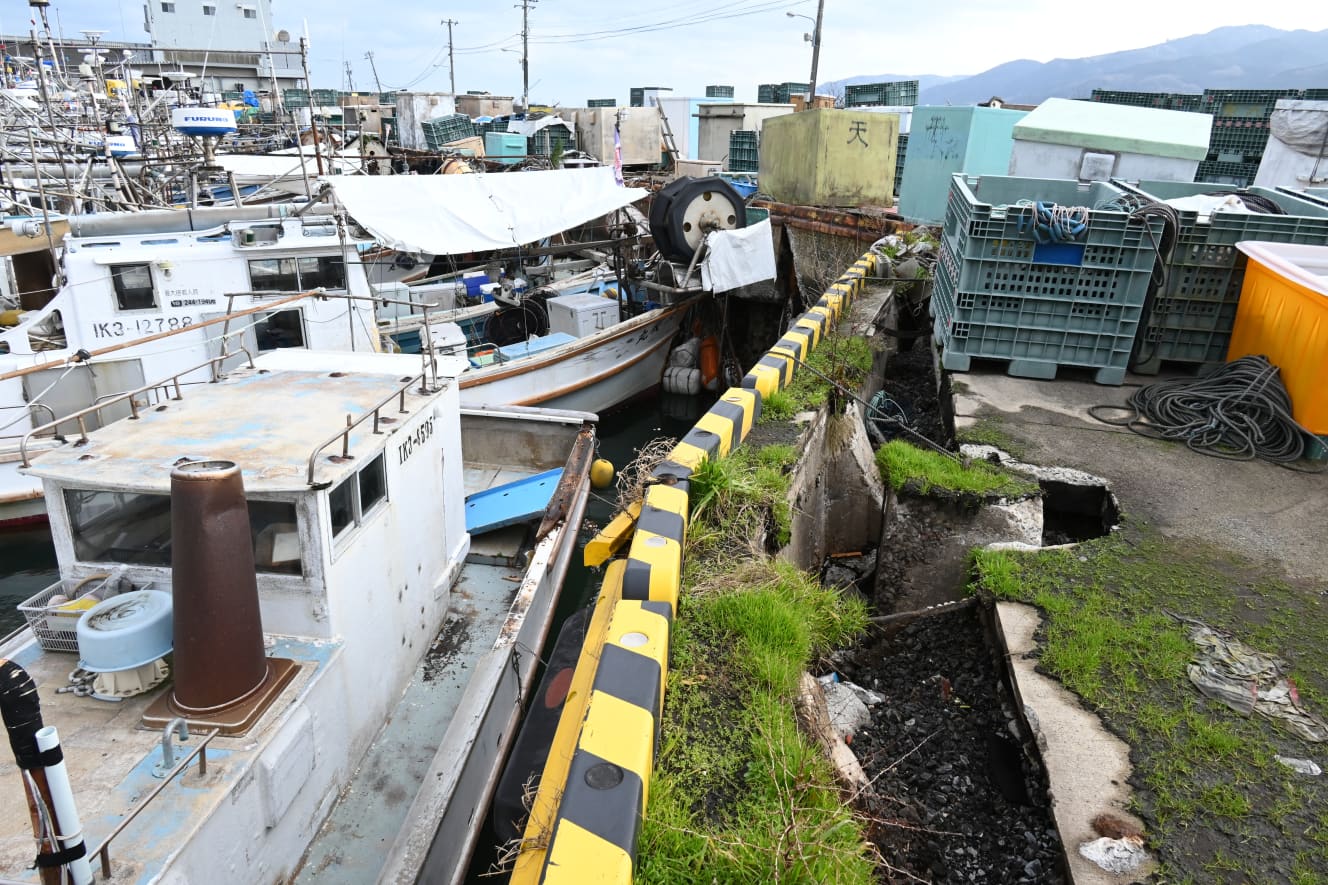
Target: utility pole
x: 374, y: 68
x: 816, y: 51
x: 451, y: 63
x: 350, y: 78
x: 525, y: 52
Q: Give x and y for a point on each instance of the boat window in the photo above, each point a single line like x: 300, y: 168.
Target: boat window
x: 167, y: 6
x: 134, y: 528
x: 274, y: 275
x: 327, y: 271
x: 297, y: 274
x: 373, y: 484
x: 133, y: 287
x: 281, y: 328
x: 209, y: 10
x: 342, y: 501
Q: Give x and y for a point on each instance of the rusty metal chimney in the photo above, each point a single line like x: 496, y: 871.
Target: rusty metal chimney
x: 223, y: 679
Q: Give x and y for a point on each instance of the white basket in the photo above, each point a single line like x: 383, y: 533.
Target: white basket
x: 53, y: 627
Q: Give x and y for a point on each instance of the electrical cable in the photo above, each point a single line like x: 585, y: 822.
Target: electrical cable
x: 1239, y: 411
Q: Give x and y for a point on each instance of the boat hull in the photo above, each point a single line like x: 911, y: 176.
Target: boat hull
x: 592, y: 374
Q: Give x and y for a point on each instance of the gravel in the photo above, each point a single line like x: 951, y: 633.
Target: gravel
x: 956, y: 797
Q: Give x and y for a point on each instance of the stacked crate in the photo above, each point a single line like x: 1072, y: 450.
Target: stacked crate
x: 744, y: 151
x: 1240, y: 132
x: 445, y: 130
x: 1167, y: 101
x: 719, y: 92
x: 900, y: 93
x: 295, y: 98
x: 899, y: 162
x: 780, y: 93
x: 601, y: 102
x: 1004, y: 293
x: 555, y: 138
x: 1192, y: 315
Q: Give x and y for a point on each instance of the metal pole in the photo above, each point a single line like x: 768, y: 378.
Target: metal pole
x: 374, y: 68
x: 816, y: 52
x: 304, y: 63
x: 525, y: 54
x: 451, y: 63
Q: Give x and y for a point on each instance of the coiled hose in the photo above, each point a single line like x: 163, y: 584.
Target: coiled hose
x: 1239, y: 411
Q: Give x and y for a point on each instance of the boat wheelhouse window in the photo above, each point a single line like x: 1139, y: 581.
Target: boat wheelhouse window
x: 342, y: 501
x: 358, y: 496
x: 167, y: 6
x: 133, y: 287
x: 373, y: 484
x: 296, y: 274
x: 209, y: 10
x: 281, y: 328
x: 133, y: 528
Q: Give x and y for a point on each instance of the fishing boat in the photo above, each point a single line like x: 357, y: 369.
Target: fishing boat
x: 149, y: 294
x: 323, y: 586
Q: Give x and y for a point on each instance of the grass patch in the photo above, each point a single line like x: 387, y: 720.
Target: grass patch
x: 845, y: 359
x: 743, y: 498
x: 1205, y: 776
x: 738, y: 794
x: 901, y: 463
x: 778, y: 406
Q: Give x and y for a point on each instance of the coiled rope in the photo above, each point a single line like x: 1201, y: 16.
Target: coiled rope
x: 1239, y: 411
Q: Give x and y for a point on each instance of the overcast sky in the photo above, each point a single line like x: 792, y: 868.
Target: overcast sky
x: 584, y: 49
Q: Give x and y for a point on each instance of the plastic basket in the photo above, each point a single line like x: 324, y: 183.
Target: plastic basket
x: 54, y: 627
x: 898, y: 93
x: 719, y: 92
x: 1244, y: 102
x: 1193, y: 314
x: 1224, y: 172
x: 1001, y: 294
x: 901, y: 151
x: 1172, y: 101
x: 1243, y: 135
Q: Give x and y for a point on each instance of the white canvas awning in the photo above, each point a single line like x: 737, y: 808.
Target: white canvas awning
x: 452, y: 214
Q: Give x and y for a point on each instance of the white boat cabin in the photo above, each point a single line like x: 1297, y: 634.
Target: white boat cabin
x: 356, y: 476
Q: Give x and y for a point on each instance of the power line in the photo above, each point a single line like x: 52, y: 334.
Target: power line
x: 737, y: 11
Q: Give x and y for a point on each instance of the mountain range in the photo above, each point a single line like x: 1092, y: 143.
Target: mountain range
x: 1244, y: 57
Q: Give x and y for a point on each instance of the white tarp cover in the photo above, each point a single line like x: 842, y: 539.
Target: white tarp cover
x: 452, y: 214
x: 739, y: 257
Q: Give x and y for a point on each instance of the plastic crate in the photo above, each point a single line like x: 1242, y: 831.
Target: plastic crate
x: 323, y: 97
x: 1193, y: 314
x: 445, y: 130
x: 1243, y: 135
x: 1223, y: 172
x: 1171, y: 101
x: 601, y: 102
x: 545, y: 141
x: 899, y: 93
x: 719, y: 92
x: 1000, y: 294
x: 900, y: 152
x: 1244, y: 102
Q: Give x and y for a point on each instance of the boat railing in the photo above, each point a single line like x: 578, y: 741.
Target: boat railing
x: 379, y: 419
x: 129, y: 396
x: 27, y: 407
x: 103, y: 851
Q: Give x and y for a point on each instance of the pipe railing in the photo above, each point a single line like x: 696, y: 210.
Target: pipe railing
x: 344, y: 435
x: 103, y: 851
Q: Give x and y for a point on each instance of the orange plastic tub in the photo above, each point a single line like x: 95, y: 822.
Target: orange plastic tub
x: 1283, y: 314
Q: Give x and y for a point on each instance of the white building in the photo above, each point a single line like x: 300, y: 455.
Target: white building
x: 232, y: 45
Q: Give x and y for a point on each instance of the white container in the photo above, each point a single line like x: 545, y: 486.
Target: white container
x: 581, y: 315
x: 1097, y: 141
x: 639, y: 131
x: 720, y: 119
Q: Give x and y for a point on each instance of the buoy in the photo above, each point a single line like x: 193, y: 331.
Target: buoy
x: 709, y: 362
x: 10, y: 317
x: 601, y: 473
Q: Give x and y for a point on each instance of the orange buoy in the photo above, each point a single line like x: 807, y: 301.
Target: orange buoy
x: 709, y: 360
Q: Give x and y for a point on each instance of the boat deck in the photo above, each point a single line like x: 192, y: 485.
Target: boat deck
x: 110, y: 760
x: 359, y: 833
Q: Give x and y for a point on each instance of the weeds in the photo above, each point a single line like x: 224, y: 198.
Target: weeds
x: 1112, y: 634
x: 843, y: 359
x: 742, y: 499
x: 901, y: 464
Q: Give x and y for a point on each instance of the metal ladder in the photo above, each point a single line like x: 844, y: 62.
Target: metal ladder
x: 670, y: 146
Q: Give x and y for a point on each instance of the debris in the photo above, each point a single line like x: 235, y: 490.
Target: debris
x: 866, y: 695
x: 815, y: 720
x: 1115, y: 855
x: 1248, y: 681
x: 1300, y: 766
x: 848, y: 714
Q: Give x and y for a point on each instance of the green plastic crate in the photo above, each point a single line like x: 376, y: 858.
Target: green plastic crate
x: 900, y: 92
x: 601, y: 102
x: 900, y: 152
x: 1244, y: 102
x: 1171, y: 101
x: 1193, y: 314
x: 1001, y: 295
x: 719, y: 92
x: 1239, y: 174
x: 1247, y: 136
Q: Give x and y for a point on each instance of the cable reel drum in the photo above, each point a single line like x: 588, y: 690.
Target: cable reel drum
x: 687, y: 209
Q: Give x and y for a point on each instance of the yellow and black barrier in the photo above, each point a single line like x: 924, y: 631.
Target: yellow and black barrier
x: 592, y: 796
